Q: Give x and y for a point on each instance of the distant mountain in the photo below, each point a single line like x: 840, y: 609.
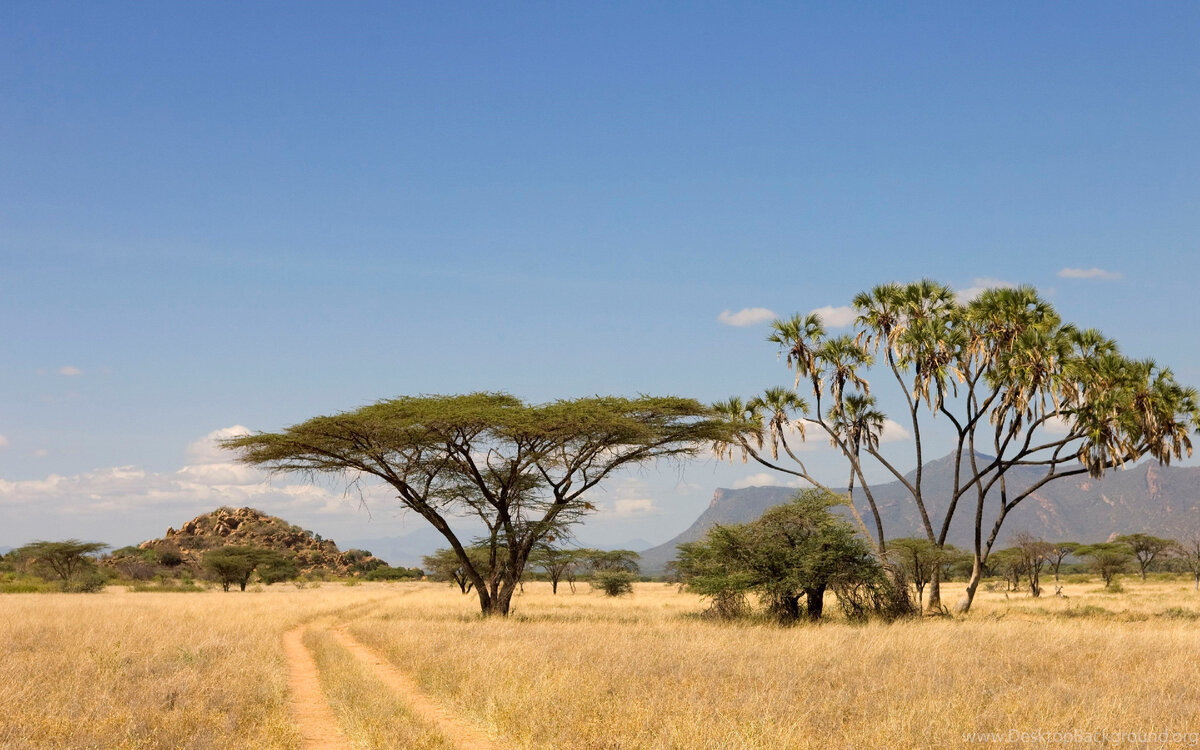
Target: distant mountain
x: 6, y: 550
x: 1161, y: 500
x: 403, y: 551
x: 727, y: 506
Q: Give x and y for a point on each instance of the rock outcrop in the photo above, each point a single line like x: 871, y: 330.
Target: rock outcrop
x: 253, y: 528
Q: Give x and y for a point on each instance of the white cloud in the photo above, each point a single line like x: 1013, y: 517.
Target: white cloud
x: 766, y: 479
x: 1089, y: 273
x: 893, y: 432
x: 630, y: 507
x: 981, y: 283
x: 70, y: 371
x: 3, y: 442
x: 208, y: 480
x: 41, y: 453
x: 205, y: 450
x: 836, y: 317
x: 1057, y: 426
x: 747, y: 316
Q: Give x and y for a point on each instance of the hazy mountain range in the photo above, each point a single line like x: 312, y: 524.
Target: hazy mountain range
x: 1147, y: 497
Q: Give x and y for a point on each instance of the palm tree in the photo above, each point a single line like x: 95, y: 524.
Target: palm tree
x: 800, y: 337
x: 858, y: 423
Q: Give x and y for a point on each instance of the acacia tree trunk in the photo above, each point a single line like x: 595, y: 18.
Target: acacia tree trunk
x: 935, y: 590
x: 814, y: 599
x: 964, y: 604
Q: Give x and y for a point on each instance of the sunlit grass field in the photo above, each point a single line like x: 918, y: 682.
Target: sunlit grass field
x: 581, y: 670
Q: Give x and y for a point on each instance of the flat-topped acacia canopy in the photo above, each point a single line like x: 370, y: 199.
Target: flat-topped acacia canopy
x: 522, y: 469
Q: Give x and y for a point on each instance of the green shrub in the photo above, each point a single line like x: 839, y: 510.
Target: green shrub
x: 88, y: 582
x: 392, y: 574
x: 167, y: 586
x: 613, y: 582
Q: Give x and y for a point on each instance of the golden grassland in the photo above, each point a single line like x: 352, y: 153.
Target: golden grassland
x: 206, y: 670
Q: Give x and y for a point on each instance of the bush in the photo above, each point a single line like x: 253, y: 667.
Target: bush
x: 170, y: 558
x: 167, y: 586
x: 136, y: 570
x: 613, y: 582
x: 88, y: 582
x: 392, y: 574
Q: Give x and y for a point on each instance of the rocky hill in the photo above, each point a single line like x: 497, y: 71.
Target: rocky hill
x: 1149, y: 498
x: 253, y: 528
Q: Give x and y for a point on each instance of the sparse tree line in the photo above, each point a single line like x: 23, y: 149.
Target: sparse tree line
x: 76, y: 566
x: 799, y: 551
x: 610, y: 571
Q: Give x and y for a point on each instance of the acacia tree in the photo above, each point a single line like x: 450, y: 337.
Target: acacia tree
x: 557, y: 562
x: 522, y: 470
x: 919, y: 558
x: 1107, y: 558
x: 1061, y: 551
x: 230, y: 565
x: 1010, y: 564
x: 1002, y: 372
x: 66, y: 559
x: 1035, y: 553
x: 444, y: 565
x: 1146, y: 548
x: 1190, y: 552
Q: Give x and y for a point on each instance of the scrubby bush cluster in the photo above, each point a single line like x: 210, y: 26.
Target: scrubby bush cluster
x: 790, y: 557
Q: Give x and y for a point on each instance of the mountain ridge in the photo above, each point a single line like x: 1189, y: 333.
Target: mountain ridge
x: 1146, y: 497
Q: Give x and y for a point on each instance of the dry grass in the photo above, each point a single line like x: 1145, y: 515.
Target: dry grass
x: 585, y: 671
x: 123, y: 670
x: 590, y: 672
x: 369, y: 714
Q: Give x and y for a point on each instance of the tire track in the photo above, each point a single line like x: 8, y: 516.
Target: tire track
x: 315, y: 720
x: 463, y: 735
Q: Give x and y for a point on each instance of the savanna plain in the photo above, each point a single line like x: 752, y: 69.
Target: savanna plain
x: 121, y: 669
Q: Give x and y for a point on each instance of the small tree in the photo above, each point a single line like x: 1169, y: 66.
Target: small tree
x: 67, y: 560
x: 1146, y: 548
x: 613, y: 582
x: 1107, y: 559
x: 445, y: 565
x: 1189, y: 552
x: 1035, y: 553
x: 612, y: 571
x: 275, y: 567
x: 230, y: 565
x: 614, y: 559
x: 919, y: 558
x: 1061, y: 551
x: 795, y: 551
x: 555, y: 562
x: 1009, y: 564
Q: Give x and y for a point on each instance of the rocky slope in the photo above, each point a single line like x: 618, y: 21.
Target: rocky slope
x: 253, y: 528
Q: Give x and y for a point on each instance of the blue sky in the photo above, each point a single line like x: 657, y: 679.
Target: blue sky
x: 246, y: 214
